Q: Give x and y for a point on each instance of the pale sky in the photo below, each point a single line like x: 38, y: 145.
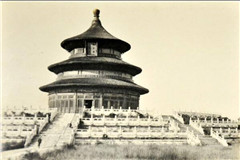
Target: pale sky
x: 188, y: 51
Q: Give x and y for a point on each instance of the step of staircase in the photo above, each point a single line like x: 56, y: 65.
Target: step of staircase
x: 208, y: 140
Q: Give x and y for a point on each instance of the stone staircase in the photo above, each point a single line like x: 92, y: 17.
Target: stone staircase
x: 57, y: 133
x: 205, y: 139
x: 208, y: 140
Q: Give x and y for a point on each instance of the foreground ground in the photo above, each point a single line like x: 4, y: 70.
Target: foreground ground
x: 166, y: 152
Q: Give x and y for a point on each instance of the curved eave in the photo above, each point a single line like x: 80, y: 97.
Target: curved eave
x: 93, y: 83
x: 76, y: 42
x: 91, y: 63
x: 99, y: 34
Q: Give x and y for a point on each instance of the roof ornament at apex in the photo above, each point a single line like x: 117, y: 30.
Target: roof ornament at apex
x: 96, y: 12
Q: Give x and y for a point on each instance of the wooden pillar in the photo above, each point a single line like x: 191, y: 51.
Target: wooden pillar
x: 75, y: 103
x: 55, y: 100
x: 108, y: 104
x: 124, y: 103
x: 101, y: 101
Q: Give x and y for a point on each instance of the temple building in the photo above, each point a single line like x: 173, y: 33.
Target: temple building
x: 94, y: 74
x: 97, y: 84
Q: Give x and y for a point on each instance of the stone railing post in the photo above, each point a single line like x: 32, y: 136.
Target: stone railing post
x: 135, y: 131
x: 115, y: 118
x: 23, y: 118
x: 102, y: 110
x: 91, y: 119
x: 111, y: 109
x: 220, y: 130
x: 84, y: 108
x: 162, y: 129
x: 103, y: 119
x: 120, y: 130
x: 90, y: 130
x: 120, y: 109
x: 105, y: 129
x: 149, y: 128
x: 20, y: 130
x: 92, y: 110
x: 12, y: 119
x: 149, y: 131
x: 129, y: 109
x: 138, y: 120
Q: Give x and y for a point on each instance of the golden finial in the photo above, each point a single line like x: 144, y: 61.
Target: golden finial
x: 96, y: 12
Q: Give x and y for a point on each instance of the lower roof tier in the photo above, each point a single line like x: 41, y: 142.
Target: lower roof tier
x: 100, y: 63
x: 93, y: 83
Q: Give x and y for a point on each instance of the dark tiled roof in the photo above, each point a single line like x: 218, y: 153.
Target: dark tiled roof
x: 95, y: 63
x: 96, y: 33
x: 93, y: 82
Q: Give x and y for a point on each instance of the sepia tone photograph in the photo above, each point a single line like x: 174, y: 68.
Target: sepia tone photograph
x: 120, y: 80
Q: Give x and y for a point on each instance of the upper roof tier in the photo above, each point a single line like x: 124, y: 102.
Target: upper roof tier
x: 96, y: 33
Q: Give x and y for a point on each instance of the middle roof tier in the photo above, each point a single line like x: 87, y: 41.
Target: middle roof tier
x: 100, y: 63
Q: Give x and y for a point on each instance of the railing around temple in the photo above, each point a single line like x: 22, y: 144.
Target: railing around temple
x: 124, y: 121
x: 89, y: 133
x: 227, y: 132
x: 215, y: 123
x: 99, y: 111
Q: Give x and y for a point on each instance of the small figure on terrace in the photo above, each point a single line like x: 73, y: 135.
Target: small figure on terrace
x: 39, y: 141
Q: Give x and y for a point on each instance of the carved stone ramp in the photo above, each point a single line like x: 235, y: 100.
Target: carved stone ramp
x: 205, y: 139
x: 54, y: 134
